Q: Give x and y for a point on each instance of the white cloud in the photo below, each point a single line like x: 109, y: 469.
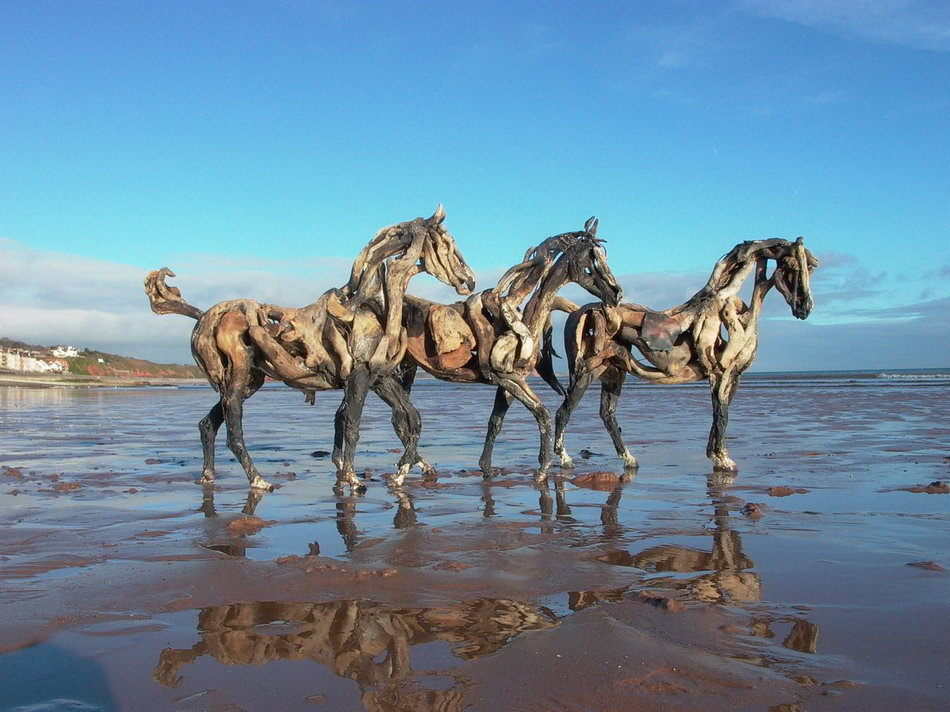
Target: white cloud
x: 681, y: 45
x: 921, y: 24
x: 51, y: 298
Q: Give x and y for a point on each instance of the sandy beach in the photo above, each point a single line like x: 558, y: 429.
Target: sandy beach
x: 126, y: 586
x: 70, y: 380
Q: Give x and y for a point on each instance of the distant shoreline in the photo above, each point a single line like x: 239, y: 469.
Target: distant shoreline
x: 908, y: 376
x: 51, y: 380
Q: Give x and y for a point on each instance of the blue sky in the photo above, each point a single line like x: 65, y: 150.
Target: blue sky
x: 255, y: 147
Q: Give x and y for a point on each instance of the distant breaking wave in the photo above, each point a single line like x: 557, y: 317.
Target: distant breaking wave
x: 913, y: 376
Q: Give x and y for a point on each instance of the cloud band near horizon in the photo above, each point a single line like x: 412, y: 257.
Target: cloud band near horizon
x: 862, y: 320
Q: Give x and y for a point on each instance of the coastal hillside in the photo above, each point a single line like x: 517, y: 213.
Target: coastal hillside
x: 20, y: 357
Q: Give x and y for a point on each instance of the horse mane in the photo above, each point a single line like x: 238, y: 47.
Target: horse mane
x: 732, y: 268
x: 368, y: 271
x: 567, y: 242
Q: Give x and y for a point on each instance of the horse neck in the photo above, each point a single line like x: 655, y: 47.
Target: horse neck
x: 538, y: 308
x: 382, y: 252
x: 761, y: 287
x: 740, y: 271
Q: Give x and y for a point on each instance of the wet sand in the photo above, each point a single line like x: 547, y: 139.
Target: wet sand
x: 125, y: 586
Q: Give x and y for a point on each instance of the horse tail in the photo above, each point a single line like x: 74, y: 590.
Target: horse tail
x: 165, y: 299
x: 545, y: 365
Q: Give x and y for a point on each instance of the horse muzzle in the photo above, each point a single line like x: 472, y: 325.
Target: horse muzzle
x: 616, y: 294
x: 803, y: 308
x: 466, y: 288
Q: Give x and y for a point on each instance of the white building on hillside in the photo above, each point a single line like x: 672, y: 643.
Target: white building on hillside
x: 17, y: 361
x: 65, y: 352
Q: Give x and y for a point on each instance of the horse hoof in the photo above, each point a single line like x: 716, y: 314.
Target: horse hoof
x: 205, y: 479
x: 631, y: 463
x: 425, y: 467
x: 567, y: 461
x: 724, y: 464
x: 259, y: 483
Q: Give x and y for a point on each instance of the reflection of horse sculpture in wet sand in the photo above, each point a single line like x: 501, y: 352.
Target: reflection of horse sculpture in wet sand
x: 713, y: 336
x: 725, y: 573
x: 360, y: 640
x: 348, y: 338
x: 488, y: 339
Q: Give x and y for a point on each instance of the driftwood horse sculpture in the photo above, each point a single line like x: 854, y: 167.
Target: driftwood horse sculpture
x: 349, y: 338
x: 488, y: 339
x: 713, y: 336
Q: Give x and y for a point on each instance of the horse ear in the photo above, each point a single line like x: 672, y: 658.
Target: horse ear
x: 591, y: 226
x: 438, y: 216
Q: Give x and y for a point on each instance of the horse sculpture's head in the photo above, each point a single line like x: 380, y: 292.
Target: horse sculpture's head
x: 587, y: 265
x: 417, y: 245
x: 792, y: 274
x: 440, y: 255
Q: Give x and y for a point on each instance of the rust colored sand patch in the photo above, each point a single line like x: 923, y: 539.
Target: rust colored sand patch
x: 601, y: 480
x: 928, y: 565
x: 784, y: 491
x: 753, y: 510
x: 248, y: 525
x: 935, y: 487
x: 659, y: 600
x: 451, y: 566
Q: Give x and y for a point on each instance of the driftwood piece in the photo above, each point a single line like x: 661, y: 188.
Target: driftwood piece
x: 659, y: 331
x: 449, y: 329
x: 350, y: 338
x: 712, y: 336
x: 453, y: 338
x: 506, y: 341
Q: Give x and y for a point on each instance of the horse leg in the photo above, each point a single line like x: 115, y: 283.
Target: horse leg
x: 337, y: 456
x: 241, y: 382
x: 208, y: 427
x: 519, y: 388
x: 502, y: 403
x: 723, y: 388
x: 233, y: 402
x: 407, y: 376
x: 354, y: 398
x: 575, y: 391
x: 406, y: 423
x: 610, y: 387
